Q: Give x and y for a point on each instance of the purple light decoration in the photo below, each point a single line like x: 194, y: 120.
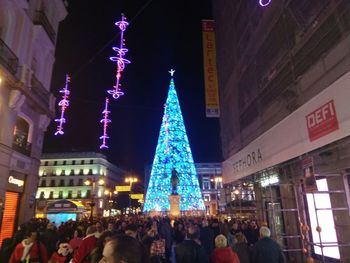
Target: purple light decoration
x: 105, y: 122
x: 63, y: 103
x: 264, y: 3
x: 121, y: 61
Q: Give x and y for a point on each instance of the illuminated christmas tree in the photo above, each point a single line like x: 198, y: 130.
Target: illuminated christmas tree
x: 173, y: 155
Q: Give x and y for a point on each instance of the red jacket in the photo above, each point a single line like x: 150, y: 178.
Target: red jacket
x: 225, y: 255
x: 86, y: 246
x: 33, y: 252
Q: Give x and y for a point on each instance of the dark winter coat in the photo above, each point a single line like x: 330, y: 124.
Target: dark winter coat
x: 188, y: 251
x: 267, y: 250
x: 207, y: 239
x: 243, y: 252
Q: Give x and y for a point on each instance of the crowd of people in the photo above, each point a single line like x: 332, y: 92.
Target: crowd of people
x: 139, y: 239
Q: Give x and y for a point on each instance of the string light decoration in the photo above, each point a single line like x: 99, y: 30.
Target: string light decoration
x: 105, y: 122
x: 264, y: 3
x: 63, y: 104
x: 121, y: 61
x: 173, y: 152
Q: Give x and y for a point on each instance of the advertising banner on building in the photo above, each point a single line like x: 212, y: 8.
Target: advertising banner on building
x: 210, y: 73
x: 123, y: 188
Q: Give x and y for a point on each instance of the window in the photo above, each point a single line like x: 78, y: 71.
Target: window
x: 51, y: 195
x: 62, y: 182
x: 73, y: 162
x: 88, y: 193
x: 206, y: 198
x: 79, y: 194
x: 206, y: 184
x: 91, y: 161
x: 71, y: 182
x: 63, y: 172
x: 71, y: 172
x: 53, y: 183
x: 46, y: 163
x: 69, y: 194
x: 60, y: 194
x: 80, y: 182
x: 81, y: 172
x: 55, y: 163
x: 64, y: 162
x: 90, y: 172
x: 20, y: 136
x: 82, y: 162
x: 44, y: 173
x: 43, y: 183
x: 42, y: 195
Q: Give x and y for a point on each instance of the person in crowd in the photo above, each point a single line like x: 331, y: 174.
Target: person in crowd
x: 241, y: 247
x: 216, y: 227
x: 111, y: 227
x: 231, y: 234
x: 222, y: 253
x: 96, y: 254
x: 153, y: 244
x: 165, y: 232
x: 64, y: 254
x: 207, y: 237
x: 76, y: 240
x: 123, y: 249
x: 50, y: 239
x: 179, y: 232
x: 99, y: 229
x: 252, y: 233
x: 83, y: 254
x: 131, y: 230
x: 30, y: 250
x: 267, y: 249
x: 190, y: 250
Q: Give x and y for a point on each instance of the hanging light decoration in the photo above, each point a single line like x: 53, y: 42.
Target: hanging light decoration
x: 264, y: 3
x: 63, y: 104
x: 116, y: 92
x: 105, y: 122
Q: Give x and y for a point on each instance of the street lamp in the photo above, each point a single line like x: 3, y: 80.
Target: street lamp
x: 217, y: 179
x: 92, y: 182
x: 130, y: 180
x: 110, y: 200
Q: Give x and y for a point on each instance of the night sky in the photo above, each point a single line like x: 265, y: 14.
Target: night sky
x: 162, y: 35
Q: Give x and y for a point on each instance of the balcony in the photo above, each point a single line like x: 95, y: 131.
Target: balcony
x: 21, y: 146
x: 40, y: 18
x: 7, y: 58
x: 40, y: 92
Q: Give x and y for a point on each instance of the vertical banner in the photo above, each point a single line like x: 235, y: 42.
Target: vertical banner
x: 309, y: 176
x: 210, y: 74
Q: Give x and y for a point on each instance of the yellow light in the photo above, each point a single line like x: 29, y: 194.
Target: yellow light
x: 107, y: 192
x: 115, y: 192
x: 87, y: 182
x: 101, y: 182
x: 236, y: 192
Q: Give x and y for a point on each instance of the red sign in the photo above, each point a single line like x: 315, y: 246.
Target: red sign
x: 322, y: 121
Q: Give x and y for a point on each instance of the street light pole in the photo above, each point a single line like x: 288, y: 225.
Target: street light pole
x: 130, y: 180
x: 217, y: 179
x: 92, y: 203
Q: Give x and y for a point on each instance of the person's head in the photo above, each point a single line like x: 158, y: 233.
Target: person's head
x: 32, y: 235
x: 253, y: 224
x: 99, y: 227
x: 131, y: 230
x: 78, y: 233
x: 220, y: 241
x: 235, y: 226
x: 193, y: 232
x: 205, y: 223
x: 264, y: 232
x: 122, y: 249
x: 90, y: 230
x: 50, y: 226
x: 110, y: 226
x: 240, y: 238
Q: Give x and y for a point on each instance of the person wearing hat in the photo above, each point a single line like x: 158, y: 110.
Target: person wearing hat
x: 222, y: 253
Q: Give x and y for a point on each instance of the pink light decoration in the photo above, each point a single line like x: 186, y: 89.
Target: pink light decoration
x: 63, y: 103
x: 105, y: 122
x: 264, y: 3
x: 121, y: 61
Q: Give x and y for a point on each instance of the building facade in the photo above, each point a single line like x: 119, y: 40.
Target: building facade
x: 284, y: 79
x: 28, y: 32
x: 83, y: 177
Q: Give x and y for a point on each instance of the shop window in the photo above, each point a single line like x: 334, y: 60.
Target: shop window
x: 71, y: 182
x: 20, y: 136
x: 43, y: 183
x: 62, y: 182
x: 53, y: 183
x: 321, y: 214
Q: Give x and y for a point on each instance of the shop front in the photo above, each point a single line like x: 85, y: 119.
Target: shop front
x: 64, y: 210
x: 300, y: 174
x: 15, y: 187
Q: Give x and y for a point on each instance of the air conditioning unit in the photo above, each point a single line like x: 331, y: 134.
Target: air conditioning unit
x: 25, y: 74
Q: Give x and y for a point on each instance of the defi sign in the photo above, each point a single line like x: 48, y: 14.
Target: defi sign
x: 322, y: 121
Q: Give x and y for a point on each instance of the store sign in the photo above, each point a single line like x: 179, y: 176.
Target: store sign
x: 249, y: 159
x: 15, y: 181
x: 123, y: 188
x: 322, y: 121
x: 136, y: 196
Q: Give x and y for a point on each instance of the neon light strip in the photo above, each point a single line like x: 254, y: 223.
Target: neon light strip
x: 121, y: 61
x: 105, y: 122
x: 264, y: 2
x: 64, y: 103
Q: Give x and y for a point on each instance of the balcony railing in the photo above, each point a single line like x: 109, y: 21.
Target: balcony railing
x: 19, y: 146
x: 40, y: 18
x: 40, y: 92
x: 7, y: 58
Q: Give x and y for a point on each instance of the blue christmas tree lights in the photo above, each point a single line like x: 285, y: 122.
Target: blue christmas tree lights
x: 173, y: 152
